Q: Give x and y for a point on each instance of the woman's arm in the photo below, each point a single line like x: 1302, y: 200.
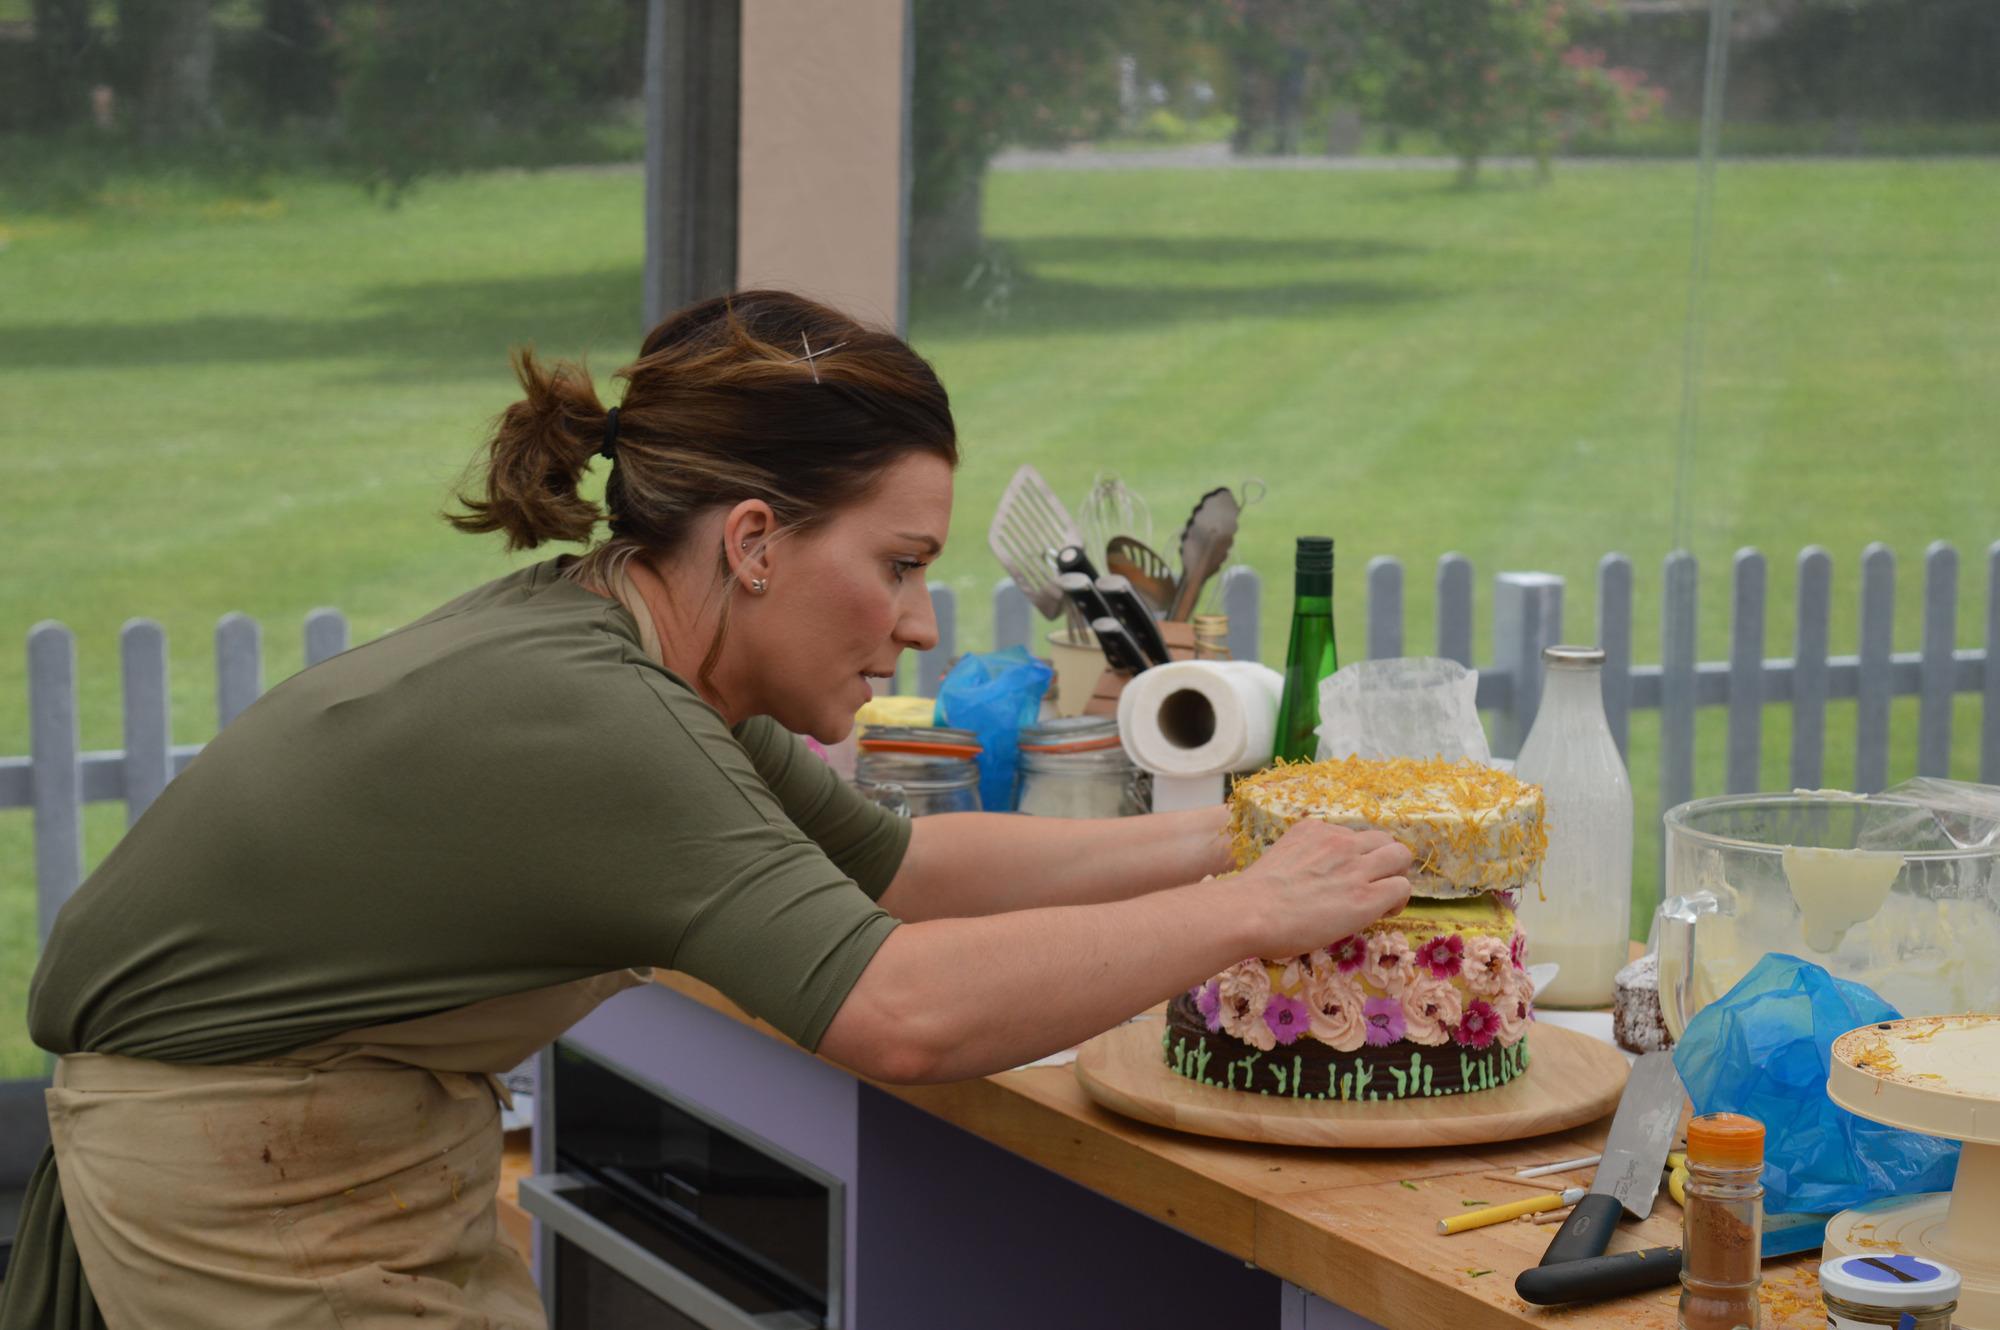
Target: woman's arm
x: 949, y: 999
x: 959, y: 865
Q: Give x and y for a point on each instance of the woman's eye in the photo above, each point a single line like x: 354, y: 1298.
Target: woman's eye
x: 904, y: 567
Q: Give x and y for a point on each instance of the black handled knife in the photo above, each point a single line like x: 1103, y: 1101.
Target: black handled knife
x: 1628, y: 1177
x: 1596, y: 1277
x: 1131, y: 611
x: 1121, y: 653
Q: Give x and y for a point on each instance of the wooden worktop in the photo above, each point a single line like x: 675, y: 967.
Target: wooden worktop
x: 1356, y: 1227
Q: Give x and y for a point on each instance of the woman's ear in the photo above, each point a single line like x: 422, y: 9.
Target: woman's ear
x: 748, y: 532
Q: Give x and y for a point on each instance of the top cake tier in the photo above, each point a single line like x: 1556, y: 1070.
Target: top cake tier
x: 1471, y: 828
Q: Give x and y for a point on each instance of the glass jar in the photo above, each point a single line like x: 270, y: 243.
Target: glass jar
x: 1074, y: 766
x: 1580, y: 916
x: 918, y: 784
x: 1884, y: 1289
x: 1211, y: 636
x: 1722, y: 1223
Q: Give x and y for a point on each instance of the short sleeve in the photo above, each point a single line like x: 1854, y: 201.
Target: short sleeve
x: 865, y: 839
x: 743, y: 897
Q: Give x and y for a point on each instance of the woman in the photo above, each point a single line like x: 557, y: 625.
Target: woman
x: 281, y: 1001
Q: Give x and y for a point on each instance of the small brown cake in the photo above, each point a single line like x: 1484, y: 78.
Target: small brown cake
x: 1636, y: 1020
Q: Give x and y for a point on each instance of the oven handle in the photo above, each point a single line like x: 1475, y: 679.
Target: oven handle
x: 543, y: 1198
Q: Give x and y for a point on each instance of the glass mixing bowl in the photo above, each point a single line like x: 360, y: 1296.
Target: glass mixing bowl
x: 1890, y: 892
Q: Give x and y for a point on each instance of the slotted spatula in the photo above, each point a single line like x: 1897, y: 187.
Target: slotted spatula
x: 1145, y: 568
x: 1028, y: 528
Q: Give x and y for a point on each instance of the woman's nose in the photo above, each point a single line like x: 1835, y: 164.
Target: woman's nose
x: 918, y: 629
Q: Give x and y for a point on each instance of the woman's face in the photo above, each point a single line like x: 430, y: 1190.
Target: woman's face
x: 844, y: 601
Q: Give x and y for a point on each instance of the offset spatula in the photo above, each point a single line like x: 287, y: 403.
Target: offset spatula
x: 1028, y: 528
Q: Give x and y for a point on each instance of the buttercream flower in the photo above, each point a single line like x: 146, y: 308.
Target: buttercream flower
x: 1208, y: 1001
x: 1431, y: 1009
x: 1515, y: 1007
x: 1245, y: 990
x: 1288, y: 1018
x: 1336, y: 1017
x: 1520, y: 951
x: 1391, y: 964
x: 1293, y: 976
x: 1479, y: 1025
x: 1442, y: 955
x: 1384, y: 1019
x: 1487, y: 966
x: 1349, y: 954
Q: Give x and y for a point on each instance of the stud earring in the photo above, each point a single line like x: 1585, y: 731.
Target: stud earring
x: 759, y: 585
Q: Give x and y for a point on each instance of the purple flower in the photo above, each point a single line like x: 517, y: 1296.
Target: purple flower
x: 1208, y: 1001
x: 1349, y: 954
x: 1384, y: 1017
x: 1480, y: 1024
x: 1442, y: 955
x: 1287, y: 1017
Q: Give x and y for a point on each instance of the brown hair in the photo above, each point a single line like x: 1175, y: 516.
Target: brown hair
x: 722, y: 405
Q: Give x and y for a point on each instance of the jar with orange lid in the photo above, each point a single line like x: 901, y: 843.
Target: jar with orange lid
x: 1075, y: 766
x: 1722, y: 1223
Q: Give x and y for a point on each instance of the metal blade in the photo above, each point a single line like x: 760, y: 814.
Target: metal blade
x: 1642, y: 1132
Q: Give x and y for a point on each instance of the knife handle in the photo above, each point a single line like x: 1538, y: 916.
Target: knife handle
x: 1084, y: 596
x: 1587, y: 1231
x: 1121, y: 653
x: 1599, y: 1276
x: 1128, y: 609
x: 1072, y: 559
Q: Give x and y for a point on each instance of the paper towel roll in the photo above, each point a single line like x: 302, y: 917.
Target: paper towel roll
x: 1201, y: 717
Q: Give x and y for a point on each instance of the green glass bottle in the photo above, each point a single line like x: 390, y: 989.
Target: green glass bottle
x: 1311, y: 655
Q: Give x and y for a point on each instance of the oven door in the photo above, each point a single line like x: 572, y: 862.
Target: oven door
x: 615, y: 1267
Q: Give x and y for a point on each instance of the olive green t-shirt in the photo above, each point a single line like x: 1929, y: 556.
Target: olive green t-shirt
x: 505, y: 795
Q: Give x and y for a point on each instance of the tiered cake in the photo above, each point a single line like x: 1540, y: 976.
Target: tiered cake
x: 1432, y: 1001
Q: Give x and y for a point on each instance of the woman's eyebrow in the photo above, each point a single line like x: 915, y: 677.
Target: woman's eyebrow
x: 931, y: 543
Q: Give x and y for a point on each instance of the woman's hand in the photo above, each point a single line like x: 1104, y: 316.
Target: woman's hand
x: 1319, y: 883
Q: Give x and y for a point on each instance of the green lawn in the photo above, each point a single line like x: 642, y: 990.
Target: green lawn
x: 210, y: 404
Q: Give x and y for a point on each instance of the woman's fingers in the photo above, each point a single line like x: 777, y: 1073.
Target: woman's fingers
x: 1390, y: 860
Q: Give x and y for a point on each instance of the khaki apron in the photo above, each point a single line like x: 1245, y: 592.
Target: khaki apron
x: 350, y: 1184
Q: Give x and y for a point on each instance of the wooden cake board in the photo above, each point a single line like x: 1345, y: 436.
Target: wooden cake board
x: 1571, y: 1079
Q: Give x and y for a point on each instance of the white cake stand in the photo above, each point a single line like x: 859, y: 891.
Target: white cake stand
x: 1939, y: 1075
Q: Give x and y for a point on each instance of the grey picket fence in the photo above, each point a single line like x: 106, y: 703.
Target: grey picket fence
x: 58, y: 777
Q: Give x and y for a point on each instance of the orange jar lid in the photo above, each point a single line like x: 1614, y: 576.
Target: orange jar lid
x: 1726, y: 1140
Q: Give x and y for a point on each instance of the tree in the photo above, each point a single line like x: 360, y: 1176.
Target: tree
x: 1484, y: 73
x: 65, y: 63
x: 988, y: 74
x: 166, y: 54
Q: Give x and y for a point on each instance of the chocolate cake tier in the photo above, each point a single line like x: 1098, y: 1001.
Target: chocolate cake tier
x: 1308, y: 1069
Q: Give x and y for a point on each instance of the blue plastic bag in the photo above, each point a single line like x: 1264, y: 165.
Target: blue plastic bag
x: 1764, y: 1049
x: 993, y: 694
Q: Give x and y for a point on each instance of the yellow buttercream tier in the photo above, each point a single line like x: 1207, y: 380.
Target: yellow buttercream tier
x: 1471, y: 828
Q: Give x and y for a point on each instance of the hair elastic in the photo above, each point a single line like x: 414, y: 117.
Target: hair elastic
x: 608, y: 448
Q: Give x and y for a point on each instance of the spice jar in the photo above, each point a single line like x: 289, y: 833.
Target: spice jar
x: 1722, y: 1223
x: 918, y: 784
x: 1074, y: 766
x: 1211, y: 636
x: 1892, y: 1290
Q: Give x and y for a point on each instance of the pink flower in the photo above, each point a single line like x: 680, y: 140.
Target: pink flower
x: 1349, y: 954
x: 1245, y: 989
x: 1391, y: 965
x: 1287, y: 1017
x: 1384, y: 1018
x: 1208, y: 1001
x: 1442, y: 955
x: 1293, y: 976
x: 1431, y: 1010
x: 1520, y: 951
x: 1479, y: 1026
x: 1487, y: 966
x: 1515, y: 1007
x: 1336, y: 1001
